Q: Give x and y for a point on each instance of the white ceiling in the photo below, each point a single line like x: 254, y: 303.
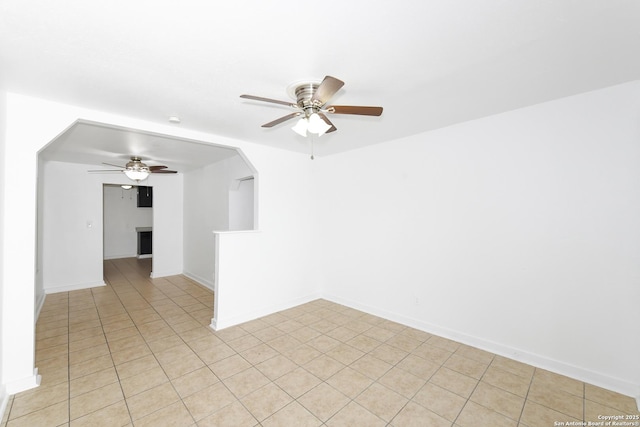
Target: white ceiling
x: 429, y: 63
x: 95, y: 143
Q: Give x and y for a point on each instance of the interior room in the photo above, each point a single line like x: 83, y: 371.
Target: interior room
x: 423, y: 213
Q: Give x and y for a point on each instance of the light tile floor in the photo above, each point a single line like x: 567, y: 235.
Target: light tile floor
x: 140, y: 352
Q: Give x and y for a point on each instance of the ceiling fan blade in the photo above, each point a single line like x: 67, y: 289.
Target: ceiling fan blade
x: 273, y: 101
x: 111, y: 164
x: 327, y: 121
x: 156, y: 168
x: 328, y: 87
x: 355, y: 109
x: 281, y: 119
x: 163, y: 171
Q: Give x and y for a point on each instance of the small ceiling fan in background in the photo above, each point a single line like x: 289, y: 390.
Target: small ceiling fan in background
x: 135, y: 169
x: 311, y: 106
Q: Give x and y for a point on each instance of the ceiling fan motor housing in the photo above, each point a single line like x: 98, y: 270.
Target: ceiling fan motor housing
x: 304, y: 93
x: 136, y: 165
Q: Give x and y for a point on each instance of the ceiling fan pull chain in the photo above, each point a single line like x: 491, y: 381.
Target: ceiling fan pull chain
x: 311, y: 138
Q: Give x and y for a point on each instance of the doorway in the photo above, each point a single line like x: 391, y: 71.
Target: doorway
x: 128, y: 222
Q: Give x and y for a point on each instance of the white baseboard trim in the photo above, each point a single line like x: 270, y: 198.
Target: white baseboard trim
x: 76, y: 287
x: 110, y: 257
x: 23, y: 384
x: 218, y: 324
x: 145, y: 256
x: 157, y: 275
x: 200, y: 280
x: 595, y: 378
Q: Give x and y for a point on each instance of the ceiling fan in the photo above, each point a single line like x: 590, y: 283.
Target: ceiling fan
x: 135, y: 169
x: 311, y: 106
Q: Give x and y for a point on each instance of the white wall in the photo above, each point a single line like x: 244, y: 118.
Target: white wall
x: 207, y: 208
x: 3, y: 126
x: 263, y: 271
x: 168, y: 221
x: 517, y: 233
x: 121, y: 217
x: 71, y: 227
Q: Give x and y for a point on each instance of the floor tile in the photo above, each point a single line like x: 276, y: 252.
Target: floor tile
x: 402, y: 382
x: 371, y: 366
x: 506, y: 380
x: 56, y: 414
x: 174, y: 415
x: 276, y: 367
x: 116, y: 414
x: 496, y: 399
x: 455, y: 382
x: 440, y: 401
x: 293, y: 411
x: 151, y: 400
x: 94, y: 400
x: 298, y: 382
x: 92, y: 381
x: 536, y: 415
x: 234, y: 414
x: 323, y: 366
x: 350, y: 382
x: 245, y: 382
x: 140, y: 351
x: 355, y: 415
x: 381, y: 401
x: 612, y: 399
x: 414, y: 415
x: 37, y: 399
x: 323, y: 401
x: 473, y: 415
x: 266, y: 401
x: 143, y: 381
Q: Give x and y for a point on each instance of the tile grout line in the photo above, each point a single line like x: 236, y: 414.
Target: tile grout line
x: 183, y: 341
x: 109, y: 347
x: 146, y: 343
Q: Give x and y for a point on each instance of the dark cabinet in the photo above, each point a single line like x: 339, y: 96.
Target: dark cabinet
x: 145, y: 243
x: 145, y: 197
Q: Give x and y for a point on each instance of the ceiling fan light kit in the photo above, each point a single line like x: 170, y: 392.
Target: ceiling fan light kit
x: 311, y: 100
x: 312, y: 124
x: 135, y: 170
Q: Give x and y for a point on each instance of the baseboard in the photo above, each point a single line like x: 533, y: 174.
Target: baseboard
x: 199, y: 280
x: 23, y: 384
x: 219, y: 324
x: 145, y: 256
x: 610, y: 383
x: 110, y: 257
x: 76, y: 287
x: 158, y: 274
